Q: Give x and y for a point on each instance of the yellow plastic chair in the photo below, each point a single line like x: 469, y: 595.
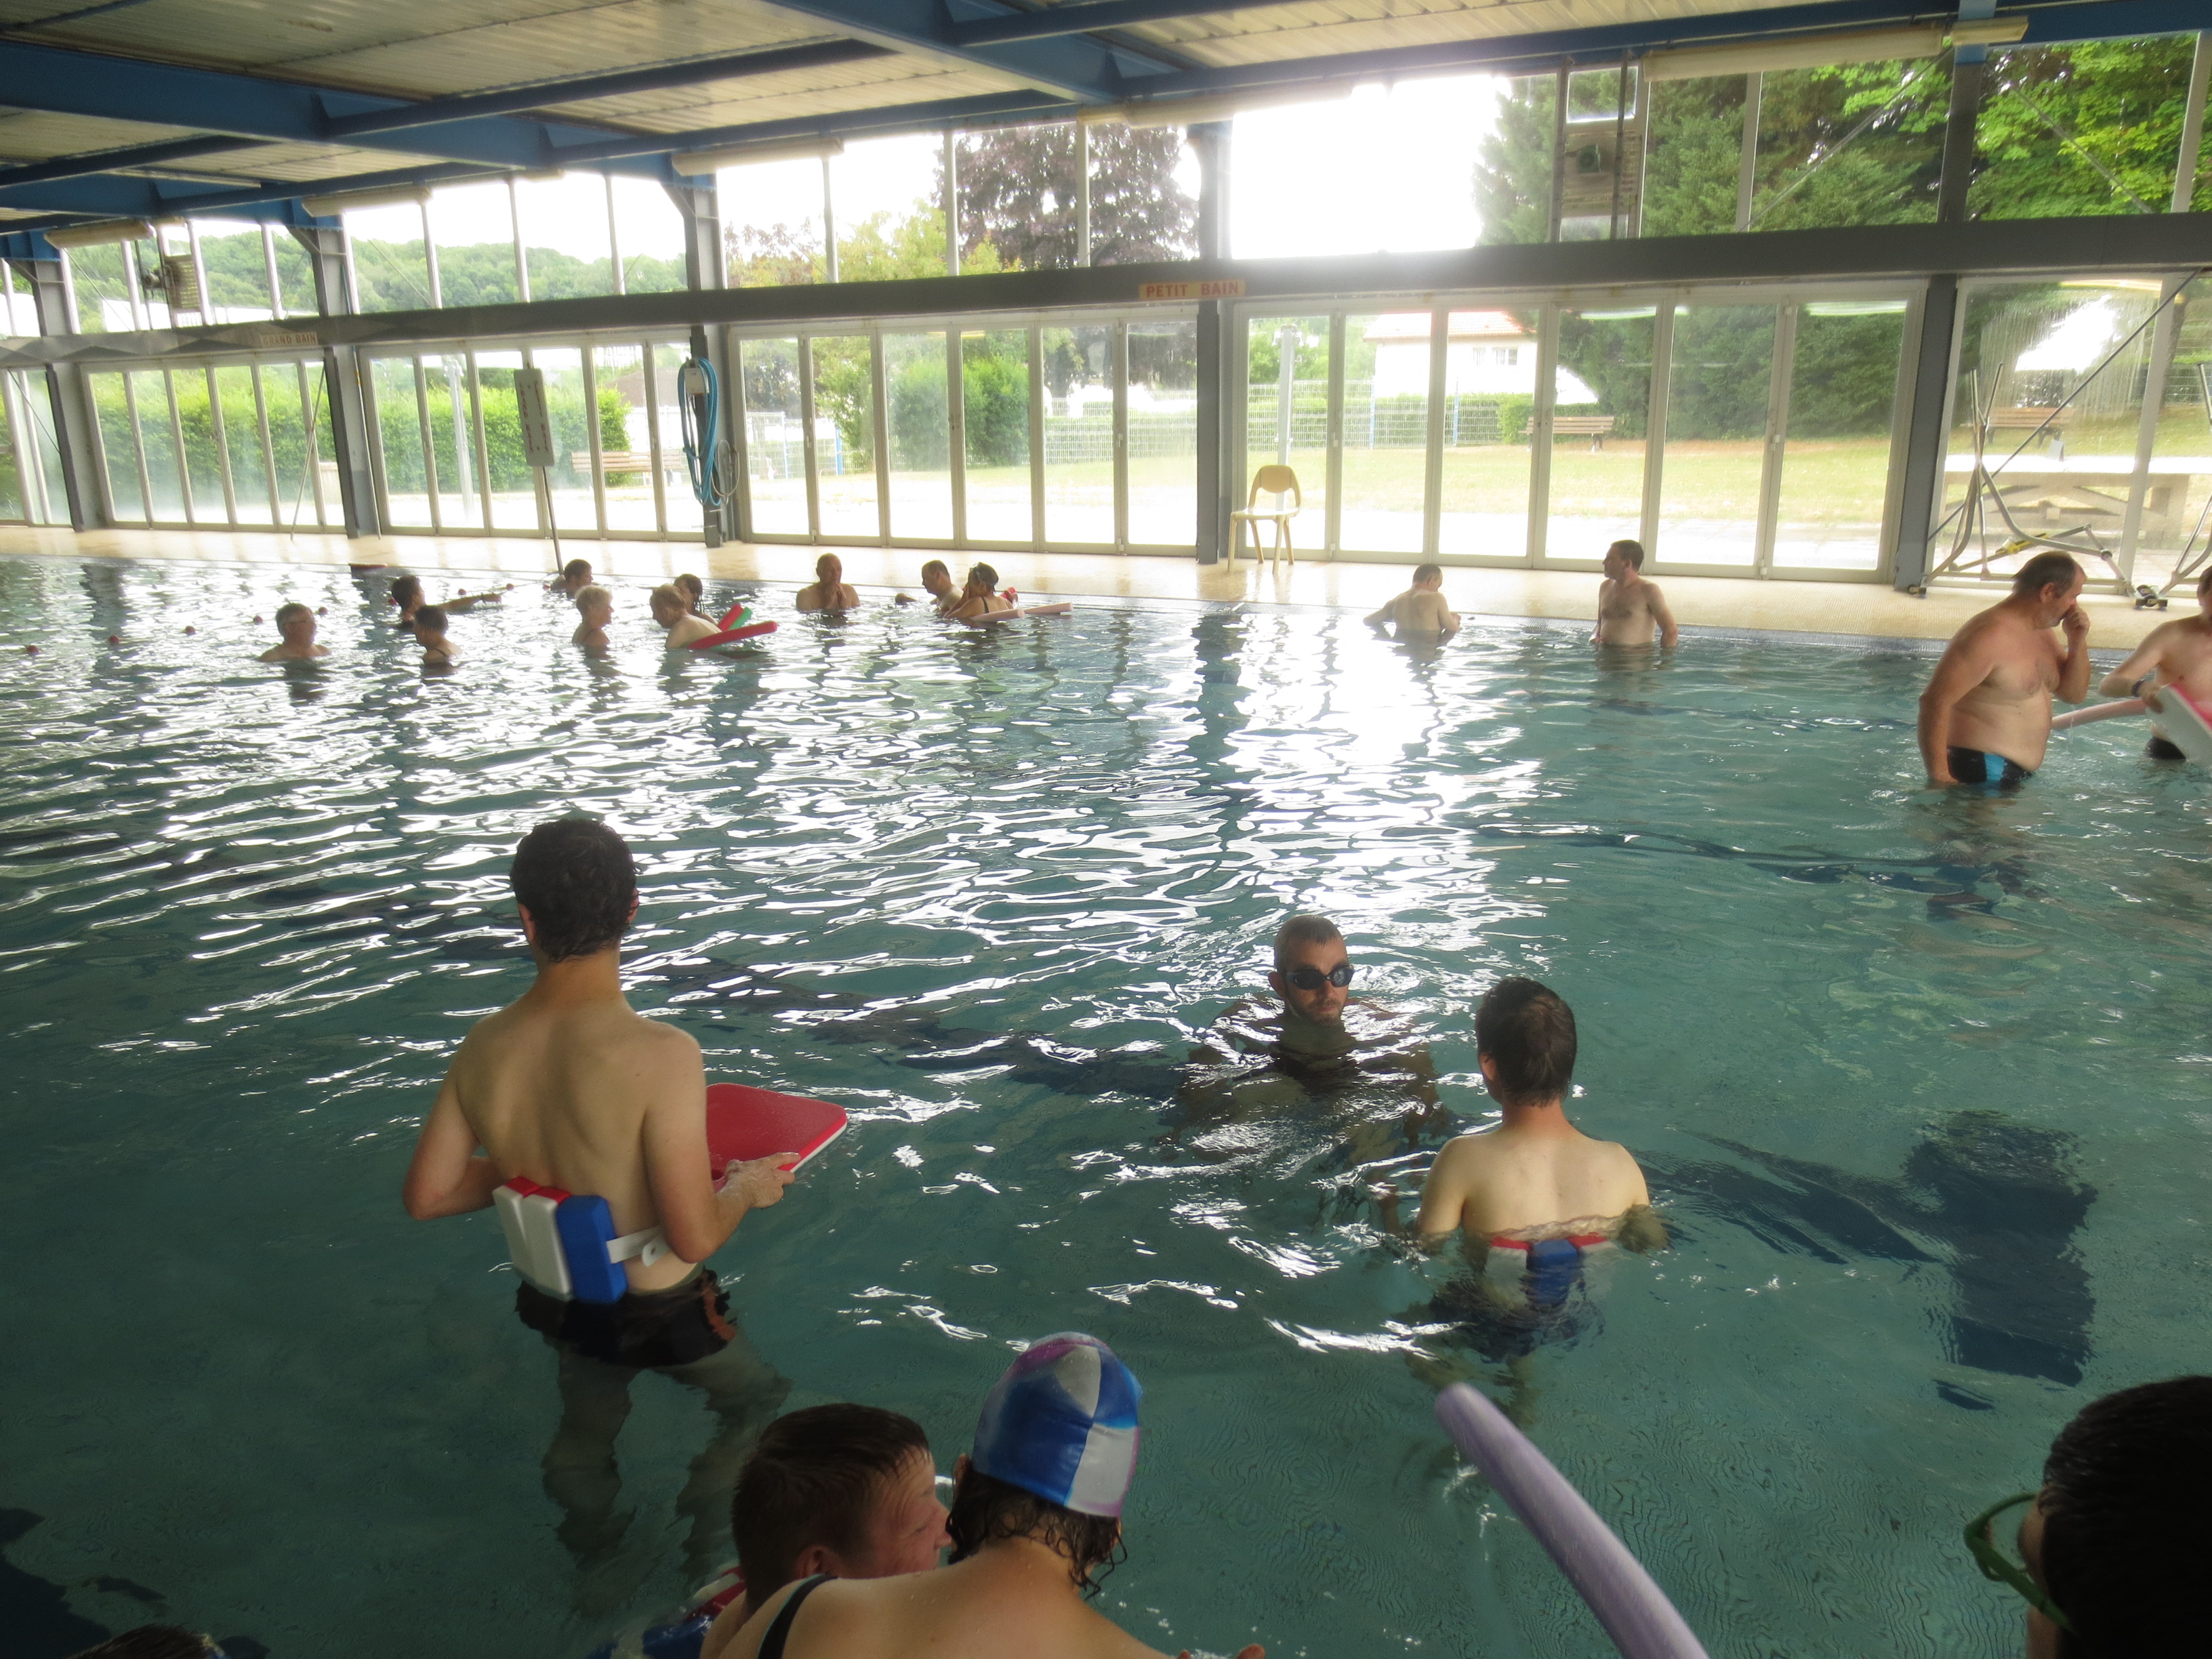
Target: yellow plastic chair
x: 1279, y: 482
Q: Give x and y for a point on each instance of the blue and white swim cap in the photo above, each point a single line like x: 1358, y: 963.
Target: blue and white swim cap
x: 1062, y: 1423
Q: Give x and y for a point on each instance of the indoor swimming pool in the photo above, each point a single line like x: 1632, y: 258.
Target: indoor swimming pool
x: 1920, y: 1084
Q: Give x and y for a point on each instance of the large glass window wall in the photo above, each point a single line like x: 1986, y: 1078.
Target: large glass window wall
x: 1744, y: 432
x: 231, y: 443
x: 448, y: 439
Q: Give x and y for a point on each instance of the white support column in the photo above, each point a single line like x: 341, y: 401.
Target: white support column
x: 2157, y: 368
x: 1083, y: 194
x: 1655, y: 427
x: 1539, y: 434
x: 2192, y: 127
x: 1747, y: 172
x: 829, y: 224
x: 1432, y: 487
x: 951, y: 202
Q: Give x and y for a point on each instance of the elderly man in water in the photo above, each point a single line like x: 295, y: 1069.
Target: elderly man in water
x: 297, y: 625
x: 1985, y: 716
x: 672, y: 611
x: 1313, y: 1041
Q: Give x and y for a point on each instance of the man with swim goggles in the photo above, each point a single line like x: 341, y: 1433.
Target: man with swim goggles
x: 2112, y: 1545
x: 1317, y: 1040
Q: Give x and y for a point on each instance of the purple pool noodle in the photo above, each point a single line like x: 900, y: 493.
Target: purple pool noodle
x: 1635, y: 1610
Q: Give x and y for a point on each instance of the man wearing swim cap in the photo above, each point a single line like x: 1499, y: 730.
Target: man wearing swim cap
x: 1318, y: 1042
x: 1036, y: 1510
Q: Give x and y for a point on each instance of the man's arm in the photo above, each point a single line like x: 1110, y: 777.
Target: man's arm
x: 1443, y: 1196
x: 446, y: 1176
x: 1668, y: 633
x: 1965, y: 664
x: 2149, y: 659
x: 1382, y: 618
x: 697, y: 1219
x: 2074, y: 667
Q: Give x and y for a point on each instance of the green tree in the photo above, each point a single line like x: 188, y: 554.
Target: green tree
x: 1019, y: 187
x: 2083, y: 129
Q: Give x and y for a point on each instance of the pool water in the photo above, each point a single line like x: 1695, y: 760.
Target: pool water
x: 1921, y: 1084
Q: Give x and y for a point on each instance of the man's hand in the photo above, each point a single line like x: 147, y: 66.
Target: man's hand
x: 760, y: 1183
x: 2077, y: 624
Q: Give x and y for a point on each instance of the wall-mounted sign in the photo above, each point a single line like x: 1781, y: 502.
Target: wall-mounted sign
x: 284, y: 339
x: 1221, y: 288
x: 531, y: 416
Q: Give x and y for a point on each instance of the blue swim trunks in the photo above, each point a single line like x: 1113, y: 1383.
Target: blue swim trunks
x: 1974, y: 766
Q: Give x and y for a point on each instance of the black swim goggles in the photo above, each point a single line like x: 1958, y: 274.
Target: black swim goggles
x: 1312, y: 979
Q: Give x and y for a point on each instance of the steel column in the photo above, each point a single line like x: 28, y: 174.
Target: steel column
x: 1919, y: 492
x: 1215, y: 482
x: 69, y: 389
x: 342, y: 383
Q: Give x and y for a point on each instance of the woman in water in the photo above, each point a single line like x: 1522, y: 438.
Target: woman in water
x: 981, y: 598
x: 693, y: 590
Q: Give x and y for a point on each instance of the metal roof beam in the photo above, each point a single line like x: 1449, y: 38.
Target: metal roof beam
x: 1072, y: 65
x: 70, y: 82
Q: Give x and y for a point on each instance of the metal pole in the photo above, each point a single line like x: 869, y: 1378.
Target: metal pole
x: 1967, y: 71
x: 2192, y: 127
x: 1746, y: 172
x: 951, y: 203
x: 1558, y: 151
x: 1083, y: 194
x: 829, y: 223
x: 1286, y: 344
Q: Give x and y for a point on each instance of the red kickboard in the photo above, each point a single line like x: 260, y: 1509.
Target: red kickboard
x: 745, y: 1123
x: 730, y: 636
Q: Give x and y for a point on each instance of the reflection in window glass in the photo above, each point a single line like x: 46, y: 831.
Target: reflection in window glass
x: 299, y: 500
x: 683, y: 513
x: 1490, y: 381
x: 1386, y: 432
x: 295, y: 275
x: 1835, y: 453
x: 574, y: 507
x: 514, y: 486
x: 452, y: 440
x: 158, y: 443
x: 776, y: 436
x: 2049, y: 392
x: 1855, y: 144
x: 1286, y: 416
x: 390, y: 271
x: 2089, y: 129
x: 473, y: 226
x: 2181, y: 456
x: 994, y: 397
x: 628, y: 466
x: 1720, y: 374
x: 649, y: 234
x: 1603, y: 399
x: 772, y: 223
x: 920, y: 436
x: 237, y: 266
x: 399, y: 434
x: 1163, y: 433
x: 113, y: 398
x: 1513, y: 171
x: 844, y: 436
x: 12, y: 492
x: 565, y: 235
x: 103, y: 292
x: 249, y: 466
x: 887, y: 195
x: 1078, y: 435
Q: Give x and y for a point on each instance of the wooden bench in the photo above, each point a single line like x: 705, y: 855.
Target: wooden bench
x: 613, y: 461
x: 1596, y: 427
x: 2033, y: 418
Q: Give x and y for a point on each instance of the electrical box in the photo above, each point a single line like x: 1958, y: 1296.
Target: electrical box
x: 537, y: 424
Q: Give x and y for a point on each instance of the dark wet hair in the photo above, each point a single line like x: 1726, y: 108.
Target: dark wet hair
x: 1529, y: 1032
x: 1632, y: 551
x: 2125, y: 1529
x: 575, y: 567
x: 1428, y: 573
x: 812, y: 1479
x: 430, y: 619
x: 150, y: 1642
x: 692, y: 586
x: 990, y: 1511
x: 576, y: 878
x: 1304, y: 929
x: 285, y: 612
x: 984, y: 574
x: 402, y: 585
x: 2048, y: 569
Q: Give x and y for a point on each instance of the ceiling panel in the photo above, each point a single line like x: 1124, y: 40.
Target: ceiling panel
x: 828, y: 90
x: 1325, y: 27
x: 35, y: 136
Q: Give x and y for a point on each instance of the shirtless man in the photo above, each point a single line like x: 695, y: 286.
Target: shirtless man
x: 937, y: 582
x: 671, y: 611
x: 569, y: 1088
x: 1985, y: 716
x: 596, y: 608
x: 2178, y: 653
x: 1630, y: 609
x: 575, y: 576
x: 1421, y: 608
x: 297, y: 624
x: 1036, y: 1510
x: 830, y: 590
x: 1319, y: 1040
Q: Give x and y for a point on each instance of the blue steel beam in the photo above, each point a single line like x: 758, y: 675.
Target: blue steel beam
x: 70, y: 82
x: 1075, y: 66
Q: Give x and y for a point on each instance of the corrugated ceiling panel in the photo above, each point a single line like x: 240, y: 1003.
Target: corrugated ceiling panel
x: 32, y: 135
x: 1325, y: 27
x: 785, y: 97
x: 254, y: 35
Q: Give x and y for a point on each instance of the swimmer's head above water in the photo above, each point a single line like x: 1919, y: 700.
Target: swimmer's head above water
x: 1622, y: 557
x: 576, y: 574
x: 937, y: 579
x: 1313, y: 969
x: 575, y: 887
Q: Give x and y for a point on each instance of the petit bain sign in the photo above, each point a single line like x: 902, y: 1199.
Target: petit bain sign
x: 1223, y: 288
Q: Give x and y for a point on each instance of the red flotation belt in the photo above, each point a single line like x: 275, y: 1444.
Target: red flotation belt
x: 736, y: 625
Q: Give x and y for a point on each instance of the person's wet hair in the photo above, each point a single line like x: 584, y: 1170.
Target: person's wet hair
x: 286, y: 613
x: 404, y: 588
x: 812, y: 1478
x: 1304, y: 929
x: 989, y: 1511
x: 694, y: 589
x: 2050, y: 569
x: 576, y: 878
x: 2204, y: 582
x: 1632, y: 551
x: 1428, y: 573
x: 941, y: 568
x: 2125, y: 1528
x: 586, y: 598
x: 430, y: 619
x: 1529, y: 1032
x: 670, y: 595
x: 984, y: 574
x: 576, y: 570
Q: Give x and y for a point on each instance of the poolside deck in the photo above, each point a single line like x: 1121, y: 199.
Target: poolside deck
x: 1870, y: 609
